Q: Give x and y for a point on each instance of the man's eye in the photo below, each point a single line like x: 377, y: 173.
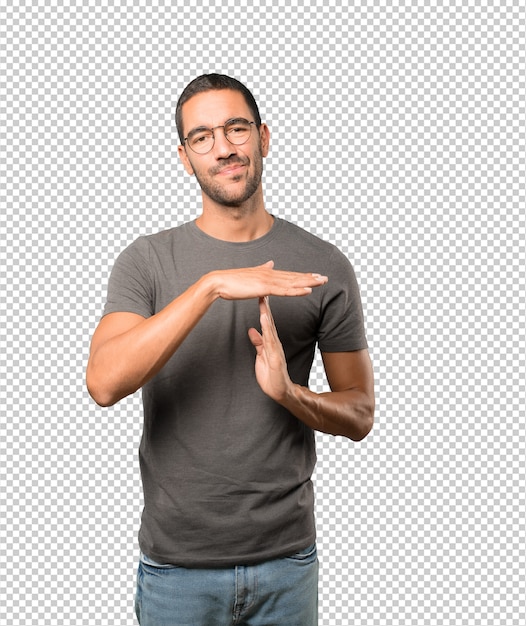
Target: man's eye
x: 238, y: 129
x: 200, y: 138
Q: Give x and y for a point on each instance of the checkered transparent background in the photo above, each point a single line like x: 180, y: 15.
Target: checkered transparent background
x: 398, y: 134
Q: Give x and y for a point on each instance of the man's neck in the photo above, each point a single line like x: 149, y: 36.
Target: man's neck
x: 236, y: 224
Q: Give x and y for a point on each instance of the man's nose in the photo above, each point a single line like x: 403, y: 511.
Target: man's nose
x: 222, y: 147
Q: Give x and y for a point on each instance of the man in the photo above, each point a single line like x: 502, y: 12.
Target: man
x: 227, y: 453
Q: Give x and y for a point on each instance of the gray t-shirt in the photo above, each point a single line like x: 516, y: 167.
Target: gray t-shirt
x: 226, y: 471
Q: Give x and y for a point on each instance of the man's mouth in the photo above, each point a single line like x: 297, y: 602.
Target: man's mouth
x: 232, y: 168
x: 235, y: 169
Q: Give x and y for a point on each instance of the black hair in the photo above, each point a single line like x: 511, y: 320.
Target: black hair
x: 210, y: 82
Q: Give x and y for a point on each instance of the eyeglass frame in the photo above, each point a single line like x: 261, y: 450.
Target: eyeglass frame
x: 202, y: 128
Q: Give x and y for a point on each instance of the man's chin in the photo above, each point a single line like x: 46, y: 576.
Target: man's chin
x: 233, y: 203
x: 234, y: 199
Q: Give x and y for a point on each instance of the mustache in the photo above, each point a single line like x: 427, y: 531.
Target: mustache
x: 228, y: 163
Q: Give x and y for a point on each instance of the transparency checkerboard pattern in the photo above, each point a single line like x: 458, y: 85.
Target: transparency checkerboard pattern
x: 398, y: 133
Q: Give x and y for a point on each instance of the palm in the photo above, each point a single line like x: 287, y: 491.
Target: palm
x: 271, y: 366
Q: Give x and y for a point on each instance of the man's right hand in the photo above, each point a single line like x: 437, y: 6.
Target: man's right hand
x: 261, y: 281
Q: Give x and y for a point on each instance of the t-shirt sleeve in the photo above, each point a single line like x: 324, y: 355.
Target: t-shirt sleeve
x: 341, y: 327
x: 130, y: 287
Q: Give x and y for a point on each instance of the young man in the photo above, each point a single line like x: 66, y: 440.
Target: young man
x: 227, y: 453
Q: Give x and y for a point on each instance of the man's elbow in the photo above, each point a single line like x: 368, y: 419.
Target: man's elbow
x: 364, y: 423
x: 100, y: 392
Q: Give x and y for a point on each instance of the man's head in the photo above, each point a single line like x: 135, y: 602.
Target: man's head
x: 223, y: 141
x: 211, y: 82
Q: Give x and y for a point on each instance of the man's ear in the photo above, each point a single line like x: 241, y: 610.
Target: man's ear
x: 264, y: 135
x: 186, y: 161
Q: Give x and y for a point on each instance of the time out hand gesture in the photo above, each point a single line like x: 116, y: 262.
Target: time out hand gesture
x: 127, y: 350
x: 271, y: 366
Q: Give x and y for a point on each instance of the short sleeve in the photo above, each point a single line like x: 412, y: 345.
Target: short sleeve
x: 341, y: 327
x: 130, y: 287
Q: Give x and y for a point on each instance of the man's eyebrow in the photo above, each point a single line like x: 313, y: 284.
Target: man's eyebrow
x: 230, y: 120
x: 198, y: 129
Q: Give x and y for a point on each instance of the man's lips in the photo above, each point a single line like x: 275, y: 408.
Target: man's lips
x: 229, y: 169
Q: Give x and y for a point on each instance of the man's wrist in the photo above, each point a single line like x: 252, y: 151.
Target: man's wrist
x: 210, y: 285
x: 292, y: 395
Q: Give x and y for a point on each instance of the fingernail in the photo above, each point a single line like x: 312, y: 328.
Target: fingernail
x: 319, y: 277
x: 308, y: 289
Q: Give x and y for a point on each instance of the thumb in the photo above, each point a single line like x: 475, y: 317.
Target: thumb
x: 256, y: 339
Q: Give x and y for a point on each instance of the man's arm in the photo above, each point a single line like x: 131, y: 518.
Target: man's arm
x: 348, y: 409
x: 127, y: 349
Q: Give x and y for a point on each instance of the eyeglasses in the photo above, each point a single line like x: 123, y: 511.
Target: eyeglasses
x: 201, y: 140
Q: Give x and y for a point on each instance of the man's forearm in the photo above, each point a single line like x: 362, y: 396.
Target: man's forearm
x: 125, y: 362
x: 349, y: 413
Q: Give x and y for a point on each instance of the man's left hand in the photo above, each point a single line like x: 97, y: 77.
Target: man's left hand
x: 271, y: 366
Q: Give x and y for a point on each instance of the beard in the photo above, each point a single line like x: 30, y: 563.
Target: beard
x: 232, y: 197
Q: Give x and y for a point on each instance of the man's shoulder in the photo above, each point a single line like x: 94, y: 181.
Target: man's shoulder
x: 290, y: 229
x: 298, y: 240
x: 157, y: 240
x: 168, y: 235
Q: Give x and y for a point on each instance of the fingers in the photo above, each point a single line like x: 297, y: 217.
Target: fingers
x: 266, y: 313
x: 283, y: 283
x: 268, y: 326
x: 297, y: 283
x: 263, y: 280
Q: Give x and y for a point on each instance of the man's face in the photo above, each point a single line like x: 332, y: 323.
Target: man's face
x: 229, y: 174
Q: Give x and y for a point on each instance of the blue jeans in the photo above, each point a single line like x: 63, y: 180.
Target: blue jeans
x: 281, y: 592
